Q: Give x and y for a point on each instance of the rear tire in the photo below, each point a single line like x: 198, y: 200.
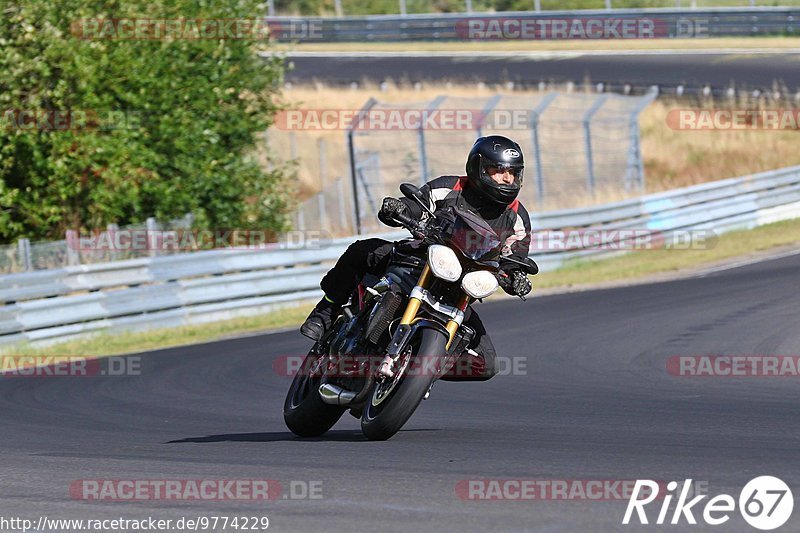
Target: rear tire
x: 304, y: 412
x: 393, y: 409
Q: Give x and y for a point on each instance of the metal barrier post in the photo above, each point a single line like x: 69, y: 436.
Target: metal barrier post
x: 112, y: 230
x: 487, y: 108
x: 537, y: 152
x: 587, y: 133
x: 73, y: 243
x: 423, y: 154
x: 352, y: 153
x: 24, y: 249
x: 152, y: 235
x: 651, y: 95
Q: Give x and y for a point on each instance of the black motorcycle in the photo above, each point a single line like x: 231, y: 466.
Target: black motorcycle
x: 395, y: 337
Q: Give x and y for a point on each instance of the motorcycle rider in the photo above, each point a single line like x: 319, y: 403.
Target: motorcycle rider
x: 494, y: 178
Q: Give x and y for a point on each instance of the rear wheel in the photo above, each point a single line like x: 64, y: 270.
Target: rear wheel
x: 392, y: 402
x: 304, y: 412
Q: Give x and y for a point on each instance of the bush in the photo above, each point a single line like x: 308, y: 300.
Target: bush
x: 157, y: 128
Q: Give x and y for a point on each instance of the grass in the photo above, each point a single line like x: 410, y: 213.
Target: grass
x: 675, y: 158
x: 549, y: 45
x: 646, y: 262
x: 104, y: 344
x: 576, y: 274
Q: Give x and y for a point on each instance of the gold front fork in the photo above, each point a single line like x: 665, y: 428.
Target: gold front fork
x: 413, y: 305
x: 452, y: 325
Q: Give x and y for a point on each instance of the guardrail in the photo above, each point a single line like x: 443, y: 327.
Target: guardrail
x: 666, y: 22
x: 169, y: 291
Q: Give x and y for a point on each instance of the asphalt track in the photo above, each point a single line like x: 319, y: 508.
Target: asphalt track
x: 693, y: 70
x: 595, y: 403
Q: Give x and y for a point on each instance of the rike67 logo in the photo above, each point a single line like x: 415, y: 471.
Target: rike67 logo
x: 765, y: 503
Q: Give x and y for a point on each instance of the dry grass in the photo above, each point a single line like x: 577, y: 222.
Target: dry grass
x: 552, y: 45
x: 675, y: 158
x: 644, y: 263
x: 117, y: 343
x: 672, y: 158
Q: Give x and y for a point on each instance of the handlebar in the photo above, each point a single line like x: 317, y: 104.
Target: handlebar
x: 410, y: 224
x: 421, y: 231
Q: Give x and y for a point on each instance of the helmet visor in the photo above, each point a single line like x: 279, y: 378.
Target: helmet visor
x: 504, y: 173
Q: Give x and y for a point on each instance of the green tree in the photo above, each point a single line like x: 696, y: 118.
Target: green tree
x: 168, y: 126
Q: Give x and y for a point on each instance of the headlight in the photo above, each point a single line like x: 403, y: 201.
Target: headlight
x: 444, y: 263
x: 479, y: 284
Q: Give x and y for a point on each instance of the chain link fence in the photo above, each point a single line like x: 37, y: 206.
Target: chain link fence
x: 26, y: 256
x: 579, y: 148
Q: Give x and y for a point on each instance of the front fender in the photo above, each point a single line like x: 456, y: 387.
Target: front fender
x: 406, y: 332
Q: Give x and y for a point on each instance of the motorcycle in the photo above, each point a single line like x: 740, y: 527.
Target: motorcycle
x: 410, y: 320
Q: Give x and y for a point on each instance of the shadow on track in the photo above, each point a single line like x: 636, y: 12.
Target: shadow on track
x: 283, y: 436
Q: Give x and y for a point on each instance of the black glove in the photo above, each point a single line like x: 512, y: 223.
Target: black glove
x: 515, y: 282
x: 390, y: 208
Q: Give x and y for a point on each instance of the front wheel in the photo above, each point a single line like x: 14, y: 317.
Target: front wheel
x: 392, y: 402
x: 304, y: 412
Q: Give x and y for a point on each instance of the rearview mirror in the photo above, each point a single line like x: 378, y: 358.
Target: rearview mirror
x: 528, y: 265
x: 412, y: 191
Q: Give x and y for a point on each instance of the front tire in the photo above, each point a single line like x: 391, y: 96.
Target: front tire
x: 390, y: 405
x: 304, y: 412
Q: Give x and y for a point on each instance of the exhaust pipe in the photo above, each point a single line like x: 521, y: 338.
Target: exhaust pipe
x: 335, y: 395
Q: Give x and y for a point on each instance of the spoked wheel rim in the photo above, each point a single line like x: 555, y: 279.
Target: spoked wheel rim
x: 383, y: 389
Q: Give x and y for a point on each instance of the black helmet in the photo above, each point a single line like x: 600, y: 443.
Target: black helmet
x: 495, y: 151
